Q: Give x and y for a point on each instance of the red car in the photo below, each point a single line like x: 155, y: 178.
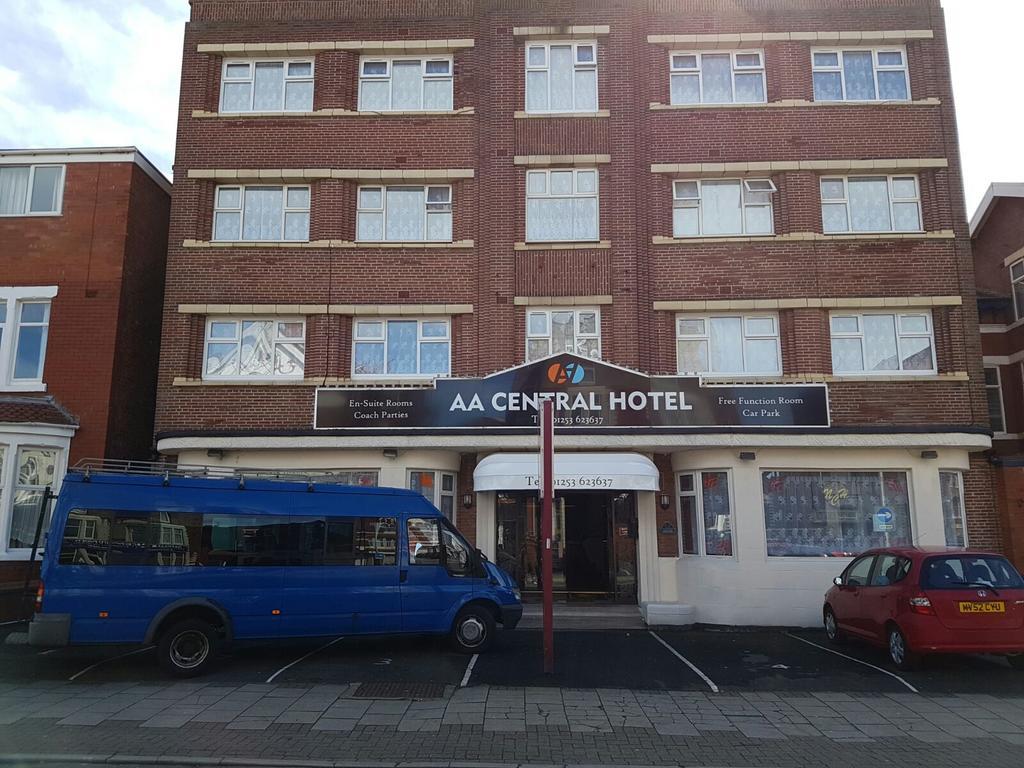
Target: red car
x: 916, y: 601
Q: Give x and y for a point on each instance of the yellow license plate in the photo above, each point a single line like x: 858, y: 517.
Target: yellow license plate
x: 989, y: 607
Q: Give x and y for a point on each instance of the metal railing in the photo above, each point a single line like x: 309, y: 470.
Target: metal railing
x: 167, y: 470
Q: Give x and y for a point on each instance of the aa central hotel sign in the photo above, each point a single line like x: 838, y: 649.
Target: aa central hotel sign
x: 588, y: 395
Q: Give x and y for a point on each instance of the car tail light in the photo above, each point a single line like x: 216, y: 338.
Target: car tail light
x: 39, y: 597
x: 922, y: 605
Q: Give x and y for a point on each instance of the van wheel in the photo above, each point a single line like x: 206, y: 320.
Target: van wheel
x: 832, y: 631
x: 188, y: 648
x: 899, y: 653
x: 473, y: 630
x: 1016, y: 661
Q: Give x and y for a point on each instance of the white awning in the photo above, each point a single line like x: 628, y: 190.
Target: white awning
x: 573, y: 472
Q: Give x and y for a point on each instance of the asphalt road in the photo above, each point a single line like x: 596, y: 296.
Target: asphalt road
x: 667, y: 659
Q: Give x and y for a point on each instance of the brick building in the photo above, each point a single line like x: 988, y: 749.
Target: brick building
x: 747, y: 204
x: 997, y: 237
x: 82, y: 256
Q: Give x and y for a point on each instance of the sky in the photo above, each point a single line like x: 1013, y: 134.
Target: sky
x: 105, y: 73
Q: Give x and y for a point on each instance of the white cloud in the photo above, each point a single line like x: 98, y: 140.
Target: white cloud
x: 105, y: 73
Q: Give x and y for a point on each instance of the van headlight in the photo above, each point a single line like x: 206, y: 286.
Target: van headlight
x: 518, y: 594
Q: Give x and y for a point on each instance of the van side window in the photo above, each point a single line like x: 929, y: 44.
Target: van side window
x: 424, y: 541
x: 119, y: 537
x: 346, y: 541
x: 245, y: 540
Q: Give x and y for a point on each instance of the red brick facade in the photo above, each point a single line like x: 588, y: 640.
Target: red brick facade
x: 105, y: 254
x: 630, y: 267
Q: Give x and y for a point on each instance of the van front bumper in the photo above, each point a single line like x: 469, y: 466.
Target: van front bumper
x: 49, y: 630
x: 510, y: 615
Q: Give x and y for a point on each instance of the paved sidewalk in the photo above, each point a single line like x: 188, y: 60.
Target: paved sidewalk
x: 509, y: 725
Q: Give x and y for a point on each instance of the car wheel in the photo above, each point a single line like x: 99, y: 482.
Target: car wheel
x: 899, y: 652
x: 1016, y: 660
x: 473, y: 630
x: 188, y: 648
x: 832, y: 631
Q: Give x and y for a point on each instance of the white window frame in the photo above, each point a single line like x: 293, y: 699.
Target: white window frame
x: 576, y: 311
x: 875, y: 68
x: 893, y: 201
x: 684, y: 201
x: 860, y: 315
x: 425, y: 77
x: 596, y: 194
x: 59, y: 205
x: 1017, y: 266
x: 383, y: 340
x: 698, y: 494
x: 438, y: 207
x: 706, y: 336
x: 998, y: 387
x: 963, y: 505
x: 439, y: 475
x: 251, y: 80
x: 546, y: 67
x: 240, y: 210
x: 54, y: 438
x: 736, y: 69
x: 237, y: 340
x: 13, y: 299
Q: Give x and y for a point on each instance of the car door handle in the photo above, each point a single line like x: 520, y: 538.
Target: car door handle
x: 403, y: 575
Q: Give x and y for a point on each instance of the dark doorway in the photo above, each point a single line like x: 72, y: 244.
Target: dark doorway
x: 594, y: 544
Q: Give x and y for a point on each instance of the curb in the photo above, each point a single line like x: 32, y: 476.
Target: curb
x: 25, y: 759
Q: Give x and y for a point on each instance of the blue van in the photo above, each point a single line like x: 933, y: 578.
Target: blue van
x: 194, y: 563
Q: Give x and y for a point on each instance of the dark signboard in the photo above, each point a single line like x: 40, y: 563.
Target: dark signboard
x: 589, y: 395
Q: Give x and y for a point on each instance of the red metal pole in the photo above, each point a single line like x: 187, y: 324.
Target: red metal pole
x: 548, y: 492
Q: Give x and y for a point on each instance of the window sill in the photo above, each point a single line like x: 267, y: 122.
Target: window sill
x: 206, y: 114
x: 867, y: 377
x: 656, y: 106
x: 36, y: 386
x: 826, y: 378
x: 321, y: 381
x: 393, y: 244
x: 942, y: 234
x: 571, y: 245
x: 522, y: 115
x: 259, y: 243
x: 36, y: 215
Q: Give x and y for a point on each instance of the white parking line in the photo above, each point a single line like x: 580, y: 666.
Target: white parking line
x: 303, y: 658
x: 48, y: 652
x: 112, y: 658
x: 469, y: 671
x: 16, y: 621
x: 851, y: 658
x: 686, y: 661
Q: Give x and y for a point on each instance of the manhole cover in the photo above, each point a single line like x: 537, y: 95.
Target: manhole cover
x: 399, y: 691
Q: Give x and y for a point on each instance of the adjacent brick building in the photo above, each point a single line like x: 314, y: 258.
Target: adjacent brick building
x: 83, y: 246
x: 371, y: 195
x: 997, y: 232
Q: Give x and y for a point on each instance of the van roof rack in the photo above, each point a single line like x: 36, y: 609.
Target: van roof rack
x: 167, y: 470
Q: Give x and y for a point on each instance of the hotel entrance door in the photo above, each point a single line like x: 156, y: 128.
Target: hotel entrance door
x: 594, y: 544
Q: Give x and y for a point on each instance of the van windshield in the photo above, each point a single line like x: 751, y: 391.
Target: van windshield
x: 962, y: 571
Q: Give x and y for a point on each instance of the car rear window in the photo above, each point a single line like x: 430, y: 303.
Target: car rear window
x: 962, y: 571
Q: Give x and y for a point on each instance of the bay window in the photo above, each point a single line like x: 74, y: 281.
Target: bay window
x: 860, y: 74
x: 438, y: 487
x: 1017, y: 283
x: 266, y: 86
x: 31, y: 190
x: 951, y: 490
x: 254, y: 348
x: 882, y: 343
x: 705, y: 513
x: 722, y: 207
x: 405, y: 84
x: 261, y: 214
x: 35, y: 469
x: 24, y: 329
x: 401, y: 348
x: 561, y: 77
x: 835, y: 513
x: 994, y: 392
x: 717, y: 77
x: 552, y: 331
x: 404, y: 214
x: 719, y: 345
x: 870, y: 204
x: 562, y: 205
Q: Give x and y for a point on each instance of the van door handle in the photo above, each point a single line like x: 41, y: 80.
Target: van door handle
x: 403, y: 575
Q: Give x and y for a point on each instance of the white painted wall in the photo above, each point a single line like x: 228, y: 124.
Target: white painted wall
x: 751, y: 588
